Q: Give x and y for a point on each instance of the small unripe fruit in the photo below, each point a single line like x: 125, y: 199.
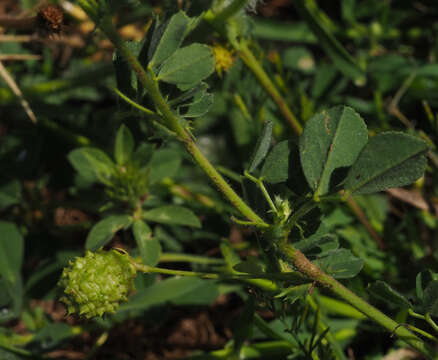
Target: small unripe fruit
x: 96, y: 283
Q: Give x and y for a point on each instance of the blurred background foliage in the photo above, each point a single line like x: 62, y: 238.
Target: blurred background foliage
x: 379, y: 57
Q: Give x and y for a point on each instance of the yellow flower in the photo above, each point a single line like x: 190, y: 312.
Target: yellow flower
x: 223, y: 57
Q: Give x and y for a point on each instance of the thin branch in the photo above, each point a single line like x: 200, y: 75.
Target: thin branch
x: 217, y: 21
x: 352, y: 204
x: 303, y: 265
x: 16, y: 90
x: 19, y: 23
x: 253, y: 64
x: 15, y: 38
x: 72, y: 40
x: 19, y: 57
x: 173, y: 123
x: 394, y: 110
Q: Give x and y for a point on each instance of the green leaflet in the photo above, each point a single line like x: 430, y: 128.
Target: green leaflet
x: 104, y: 230
x: 188, y: 65
x: 167, y: 38
x: 276, y: 166
x: 10, y: 194
x: 124, y: 146
x: 92, y: 163
x: 149, y: 246
x: 381, y: 290
x: 11, y: 258
x: 164, y: 291
x: 331, y: 140
x: 430, y: 299
x: 164, y: 163
x: 173, y: 215
x: 262, y: 147
x: 388, y: 160
x: 340, y: 263
x: 199, y: 106
x: 11, y: 251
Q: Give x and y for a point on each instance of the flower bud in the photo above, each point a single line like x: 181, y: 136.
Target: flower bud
x: 97, y: 283
x: 223, y: 58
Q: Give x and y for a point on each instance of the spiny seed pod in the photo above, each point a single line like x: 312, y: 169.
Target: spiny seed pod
x: 96, y: 283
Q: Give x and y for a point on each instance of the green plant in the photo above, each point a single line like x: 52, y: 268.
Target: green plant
x: 295, y: 175
x: 95, y: 284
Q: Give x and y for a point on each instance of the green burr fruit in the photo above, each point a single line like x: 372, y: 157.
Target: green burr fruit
x: 96, y: 283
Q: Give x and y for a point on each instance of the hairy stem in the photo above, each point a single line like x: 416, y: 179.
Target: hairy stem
x: 303, y: 265
x: 173, y: 123
x: 288, y: 252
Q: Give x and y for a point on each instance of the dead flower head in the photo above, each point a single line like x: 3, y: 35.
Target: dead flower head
x: 50, y: 19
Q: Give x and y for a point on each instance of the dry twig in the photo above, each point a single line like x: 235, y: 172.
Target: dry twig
x: 6, y: 57
x: 4, y: 73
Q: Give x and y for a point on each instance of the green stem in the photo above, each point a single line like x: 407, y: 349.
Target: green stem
x: 230, y: 174
x: 246, y: 223
x: 421, y: 332
x: 17, y: 351
x: 218, y: 20
x: 241, y: 105
x: 293, y: 277
x: 303, y: 210
x: 303, y: 265
x: 154, y: 117
x: 64, y: 133
x: 262, y: 188
x: 173, y: 123
x: 250, y: 60
x: 339, y: 308
x: 287, y: 251
x: 230, y: 10
x: 362, y: 217
x: 431, y: 322
x: 416, y: 315
x: 133, y: 103
x: 266, y: 350
x: 218, y: 23
x: 174, y: 257
x: 187, y: 194
x: 269, y: 332
x: 228, y: 192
